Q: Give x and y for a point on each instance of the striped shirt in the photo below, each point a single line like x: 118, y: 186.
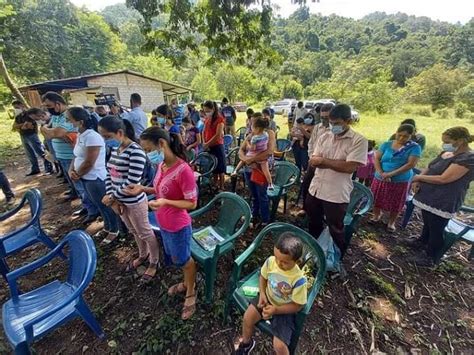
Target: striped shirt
x: 125, y: 168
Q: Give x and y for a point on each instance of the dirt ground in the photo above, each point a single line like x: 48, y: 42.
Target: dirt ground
x: 384, y: 305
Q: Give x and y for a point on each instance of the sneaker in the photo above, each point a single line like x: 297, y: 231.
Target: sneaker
x: 244, y: 349
x: 80, y: 213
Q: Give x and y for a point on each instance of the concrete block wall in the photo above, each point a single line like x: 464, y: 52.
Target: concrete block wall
x: 127, y: 84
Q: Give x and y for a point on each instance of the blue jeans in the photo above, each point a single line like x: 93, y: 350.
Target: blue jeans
x: 260, y: 200
x: 78, y: 187
x: 95, y: 191
x: 34, y: 147
x: 5, y: 186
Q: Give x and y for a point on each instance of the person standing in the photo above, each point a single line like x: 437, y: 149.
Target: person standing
x: 214, y: 139
x: 88, y: 166
x: 336, y: 156
x: 28, y: 129
x: 137, y: 117
x: 6, y: 188
x: 440, y: 191
x: 418, y: 138
x: 230, y: 117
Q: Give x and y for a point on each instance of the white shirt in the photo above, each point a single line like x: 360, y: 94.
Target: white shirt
x: 300, y: 112
x: 90, y: 138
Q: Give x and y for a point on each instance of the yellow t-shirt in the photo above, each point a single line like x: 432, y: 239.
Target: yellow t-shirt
x: 284, y: 286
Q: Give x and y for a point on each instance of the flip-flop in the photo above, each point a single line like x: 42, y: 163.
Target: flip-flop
x: 130, y: 267
x: 177, y: 288
x: 188, y: 311
x: 147, y: 278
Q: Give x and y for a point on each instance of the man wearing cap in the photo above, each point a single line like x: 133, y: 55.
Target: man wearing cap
x: 336, y: 156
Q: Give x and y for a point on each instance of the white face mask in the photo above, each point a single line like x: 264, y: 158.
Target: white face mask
x: 18, y: 111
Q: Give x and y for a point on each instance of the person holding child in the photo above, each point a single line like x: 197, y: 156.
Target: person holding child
x: 283, y: 292
x: 176, y: 192
x: 258, y: 143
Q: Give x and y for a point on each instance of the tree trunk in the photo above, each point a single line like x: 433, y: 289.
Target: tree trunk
x: 11, y: 85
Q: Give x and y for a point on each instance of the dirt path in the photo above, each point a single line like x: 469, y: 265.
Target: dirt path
x: 385, y: 304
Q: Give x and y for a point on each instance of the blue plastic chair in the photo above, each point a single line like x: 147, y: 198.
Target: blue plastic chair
x: 27, y: 235
x: 30, y: 316
x: 228, y: 140
x: 283, y: 146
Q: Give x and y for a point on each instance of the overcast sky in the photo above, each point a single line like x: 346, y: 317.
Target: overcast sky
x: 451, y: 11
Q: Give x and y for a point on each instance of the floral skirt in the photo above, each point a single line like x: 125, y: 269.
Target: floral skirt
x: 389, y: 196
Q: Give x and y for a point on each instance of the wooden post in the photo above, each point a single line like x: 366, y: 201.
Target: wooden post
x: 9, y: 82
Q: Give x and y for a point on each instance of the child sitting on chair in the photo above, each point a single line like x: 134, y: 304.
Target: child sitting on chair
x: 283, y: 293
x: 258, y: 143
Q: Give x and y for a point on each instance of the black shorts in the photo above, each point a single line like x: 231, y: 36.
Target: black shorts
x: 282, y: 325
x: 219, y: 152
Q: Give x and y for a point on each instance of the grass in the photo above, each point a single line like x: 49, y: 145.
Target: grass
x: 9, y: 140
x: 381, y: 127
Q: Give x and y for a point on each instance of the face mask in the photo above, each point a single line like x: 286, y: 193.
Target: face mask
x: 448, y: 147
x: 161, y: 120
x: 156, y: 157
x: 18, y: 111
x: 112, y: 143
x: 52, y: 112
x: 308, y: 121
x: 336, y: 129
x: 208, y: 114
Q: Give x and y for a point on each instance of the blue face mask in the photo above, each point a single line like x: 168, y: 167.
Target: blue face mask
x: 308, y: 121
x: 156, y: 157
x: 336, y: 129
x: 112, y: 143
x: 161, y: 120
x: 448, y: 147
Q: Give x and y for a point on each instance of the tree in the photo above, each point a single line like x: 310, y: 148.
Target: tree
x: 205, y: 85
x: 292, y: 90
x: 237, y: 83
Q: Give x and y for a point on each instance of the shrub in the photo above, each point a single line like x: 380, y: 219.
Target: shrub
x: 444, y: 113
x: 460, y: 110
x: 423, y: 111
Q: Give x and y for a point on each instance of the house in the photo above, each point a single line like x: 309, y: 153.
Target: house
x: 83, y: 89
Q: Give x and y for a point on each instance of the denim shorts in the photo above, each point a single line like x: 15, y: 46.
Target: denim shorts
x: 177, y: 245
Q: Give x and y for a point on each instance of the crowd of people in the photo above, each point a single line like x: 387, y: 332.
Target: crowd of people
x: 112, y: 159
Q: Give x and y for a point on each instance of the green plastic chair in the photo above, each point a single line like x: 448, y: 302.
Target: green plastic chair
x: 360, y: 203
x: 312, y: 253
x: 232, y: 159
x: 283, y: 146
x: 286, y: 174
x: 457, y: 230
x: 232, y: 210
x: 240, y: 135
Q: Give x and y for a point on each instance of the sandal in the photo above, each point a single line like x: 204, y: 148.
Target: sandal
x: 188, y: 311
x: 177, y: 288
x: 147, y: 277
x: 110, y: 238
x: 132, y: 266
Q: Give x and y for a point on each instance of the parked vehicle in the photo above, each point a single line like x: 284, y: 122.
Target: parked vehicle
x: 283, y: 107
x: 240, y: 106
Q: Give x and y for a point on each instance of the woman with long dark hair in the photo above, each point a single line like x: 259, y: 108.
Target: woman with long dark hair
x: 213, y: 136
x: 125, y: 167
x: 88, y: 167
x: 176, y: 193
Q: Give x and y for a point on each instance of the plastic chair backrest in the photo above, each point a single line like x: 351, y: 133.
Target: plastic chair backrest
x: 34, y: 200
x: 282, y: 144
x: 232, y: 210
x: 228, y: 140
x: 82, y: 258
x: 241, y: 133
x: 285, y: 173
x: 361, y: 199
x: 233, y: 157
x: 205, y: 163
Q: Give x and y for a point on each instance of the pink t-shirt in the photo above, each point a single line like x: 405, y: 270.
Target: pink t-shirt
x: 177, y: 183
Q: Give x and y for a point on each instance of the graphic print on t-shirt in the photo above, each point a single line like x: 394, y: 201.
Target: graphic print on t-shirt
x: 280, y: 286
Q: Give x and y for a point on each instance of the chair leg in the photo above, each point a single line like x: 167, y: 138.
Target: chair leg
x: 210, y: 275
x: 273, y: 212
x: 4, y: 269
x: 285, y: 201
x: 22, y: 349
x: 89, y: 318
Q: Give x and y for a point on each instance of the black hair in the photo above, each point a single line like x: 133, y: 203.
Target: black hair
x: 212, y: 105
x: 165, y: 110
x: 35, y: 111
x: 249, y: 111
x: 300, y: 120
x: 406, y: 128
x: 260, y: 121
x: 113, y: 124
x: 136, y: 98
x: 153, y: 112
x: 341, y: 111
x: 409, y: 121
x: 188, y: 120
x: 300, y: 104
x: 17, y: 102
x: 266, y: 111
x: 371, y: 145
x: 317, y: 108
x: 80, y: 114
x: 54, y: 97
x: 459, y: 133
x: 155, y: 133
x: 225, y: 100
x: 290, y: 244
x: 327, y: 107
